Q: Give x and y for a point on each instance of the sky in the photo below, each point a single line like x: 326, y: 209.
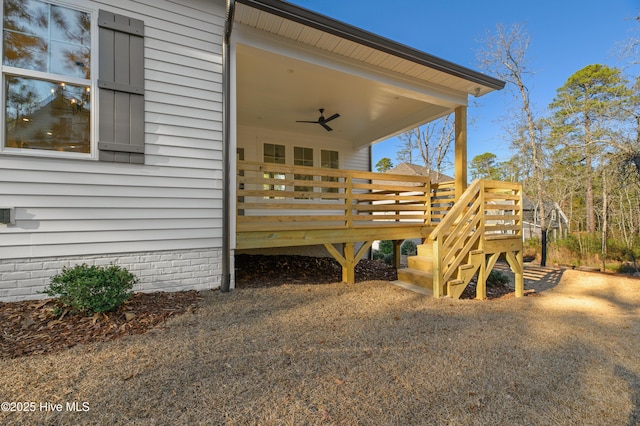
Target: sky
x: 566, y: 36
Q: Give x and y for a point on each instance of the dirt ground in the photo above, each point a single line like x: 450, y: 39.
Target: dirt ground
x: 369, y: 353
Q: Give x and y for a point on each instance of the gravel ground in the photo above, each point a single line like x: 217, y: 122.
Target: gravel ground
x: 369, y: 353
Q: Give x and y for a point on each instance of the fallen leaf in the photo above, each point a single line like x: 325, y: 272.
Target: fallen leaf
x: 40, y: 304
x: 325, y: 415
x: 27, y: 322
x: 54, y: 322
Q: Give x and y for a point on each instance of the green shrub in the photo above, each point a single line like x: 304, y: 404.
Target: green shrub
x: 618, y: 251
x: 378, y: 255
x: 409, y: 248
x: 497, y: 279
x: 90, y: 289
x: 385, y: 257
x: 586, y: 249
x: 386, y: 246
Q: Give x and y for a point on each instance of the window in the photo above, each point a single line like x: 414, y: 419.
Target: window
x: 274, y: 154
x: 303, y: 157
x: 48, y: 52
x: 329, y: 160
x: 46, y: 68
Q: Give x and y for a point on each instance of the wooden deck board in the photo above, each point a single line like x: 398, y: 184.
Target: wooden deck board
x: 250, y: 239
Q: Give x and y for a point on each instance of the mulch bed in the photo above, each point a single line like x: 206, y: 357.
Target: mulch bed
x: 32, y: 328
x: 265, y: 271
x: 493, y: 292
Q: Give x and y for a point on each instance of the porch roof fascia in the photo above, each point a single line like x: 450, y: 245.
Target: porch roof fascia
x: 343, y: 30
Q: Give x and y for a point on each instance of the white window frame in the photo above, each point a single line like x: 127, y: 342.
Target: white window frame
x: 289, y: 147
x: 92, y: 83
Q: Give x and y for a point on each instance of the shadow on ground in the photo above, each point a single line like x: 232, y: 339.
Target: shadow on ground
x: 634, y: 386
x: 538, y: 278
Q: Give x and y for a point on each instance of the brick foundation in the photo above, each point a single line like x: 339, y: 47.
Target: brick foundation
x: 176, y: 270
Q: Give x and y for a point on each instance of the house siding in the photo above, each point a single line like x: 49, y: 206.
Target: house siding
x: 75, y: 211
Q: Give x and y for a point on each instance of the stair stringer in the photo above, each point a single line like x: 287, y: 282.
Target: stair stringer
x: 475, y: 261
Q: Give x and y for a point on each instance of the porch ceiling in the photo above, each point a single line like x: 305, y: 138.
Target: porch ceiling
x: 273, y: 91
x: 291, y: 61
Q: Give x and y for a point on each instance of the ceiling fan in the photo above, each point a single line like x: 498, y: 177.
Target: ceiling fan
x: 321, y: 120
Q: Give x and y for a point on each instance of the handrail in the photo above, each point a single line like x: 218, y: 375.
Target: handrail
x: 455, y: 236
x: 487, y: 209
x: 460, y: 205
x: 359, y: 174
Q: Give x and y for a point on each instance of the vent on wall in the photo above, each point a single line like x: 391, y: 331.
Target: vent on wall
x: 7, y: 215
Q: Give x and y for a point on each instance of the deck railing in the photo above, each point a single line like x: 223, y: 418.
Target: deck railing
x: 487, y: 211
x: 281, y: 197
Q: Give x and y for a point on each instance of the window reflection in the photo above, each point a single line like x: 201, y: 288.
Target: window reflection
x: 43, y: 37
x: 274, y: 154
x: 329, y: 160
x: 47, y: 115
x: 303, y: 157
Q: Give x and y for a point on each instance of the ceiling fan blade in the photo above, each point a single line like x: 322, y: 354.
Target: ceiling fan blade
x: 333, y: 117
x: 321, y: 120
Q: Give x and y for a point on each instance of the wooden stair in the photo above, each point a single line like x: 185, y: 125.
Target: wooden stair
x: 486, y: 220
x: 420, y: 271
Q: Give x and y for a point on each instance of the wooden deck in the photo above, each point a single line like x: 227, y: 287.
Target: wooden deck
x: 283, y: 206
x: 280, y: 206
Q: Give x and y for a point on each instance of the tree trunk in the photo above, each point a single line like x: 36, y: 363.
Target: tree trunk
x: 543, y: 249
x: 591, y: 219
x: 605, y: 220
x: 537, y: 171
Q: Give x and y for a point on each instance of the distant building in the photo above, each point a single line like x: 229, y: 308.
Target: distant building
x: 414, y: 169
x: 557, y: 221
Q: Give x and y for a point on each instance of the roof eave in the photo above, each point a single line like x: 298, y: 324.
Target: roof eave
x: 340, y: 29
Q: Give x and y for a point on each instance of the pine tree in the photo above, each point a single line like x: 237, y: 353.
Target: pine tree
x: 584, y: 106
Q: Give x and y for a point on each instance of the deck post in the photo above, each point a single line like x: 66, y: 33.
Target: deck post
x: 460, y: 161
x: 481, y: 285
x: 427, y: 203
x: 348, y: 200
x: 519, y: 277
x: 396, y: 253
x: 349, y: 268
x: 516, y: 263
x: 438, y: 284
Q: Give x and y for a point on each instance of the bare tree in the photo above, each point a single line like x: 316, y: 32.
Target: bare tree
x: 432, y: 142
x: 504, y: 54
x: 630, y: 48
